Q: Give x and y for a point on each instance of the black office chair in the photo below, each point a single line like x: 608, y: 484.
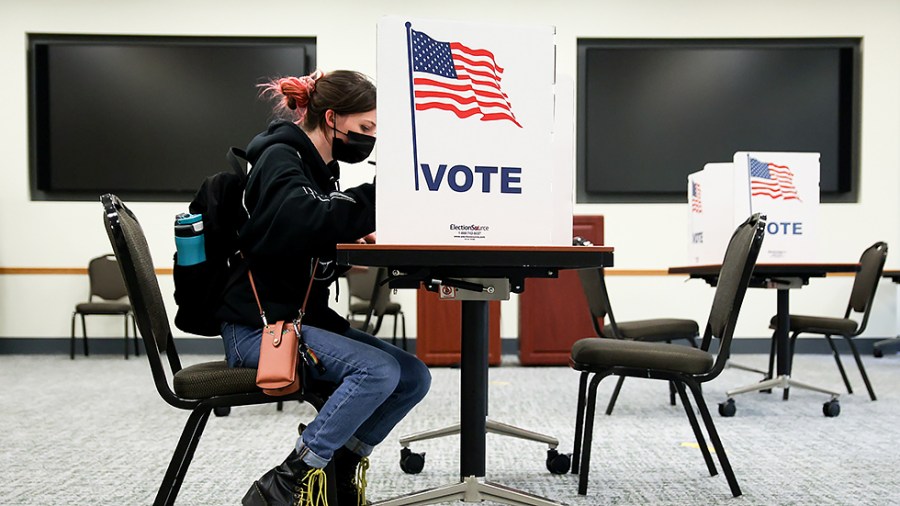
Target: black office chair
x: 871, y: 265
x: 105, y: 297
x: 373, y: 300
x: 593, y: 282
x: 199, y: 388
x: 682, y: 365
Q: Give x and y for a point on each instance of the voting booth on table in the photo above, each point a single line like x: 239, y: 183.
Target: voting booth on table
x: 475, y: 147
x: 782, y: 186
x: 475, y: 138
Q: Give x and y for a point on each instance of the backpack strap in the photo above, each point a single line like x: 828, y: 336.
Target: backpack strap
x: 235, y: 156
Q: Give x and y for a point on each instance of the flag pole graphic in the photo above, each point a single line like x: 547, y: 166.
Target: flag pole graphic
x: 749, y: 184
x: 412, y: 103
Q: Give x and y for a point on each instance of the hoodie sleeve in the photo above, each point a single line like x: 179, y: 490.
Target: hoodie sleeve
x: 290, y: 215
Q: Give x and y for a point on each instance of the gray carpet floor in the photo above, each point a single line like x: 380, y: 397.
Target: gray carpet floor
x: 94, y: 431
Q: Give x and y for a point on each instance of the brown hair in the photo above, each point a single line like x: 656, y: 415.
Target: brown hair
x: 305, y: 99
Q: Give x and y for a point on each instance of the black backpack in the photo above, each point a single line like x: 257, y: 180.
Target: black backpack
x: 199, y: 287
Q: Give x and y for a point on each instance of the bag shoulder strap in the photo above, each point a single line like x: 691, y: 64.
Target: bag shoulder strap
x: 262, y: 313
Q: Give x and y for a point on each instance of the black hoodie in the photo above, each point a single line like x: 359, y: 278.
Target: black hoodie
x: 296, y: 215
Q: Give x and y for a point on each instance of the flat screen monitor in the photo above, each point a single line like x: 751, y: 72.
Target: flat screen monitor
x: 147, y: 118
x: 652, y: 111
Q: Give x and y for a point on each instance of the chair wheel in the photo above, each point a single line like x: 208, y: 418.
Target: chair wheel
x: 831, y: 408
x: 411, y: 463
x: 727, y: 408
x: 877, y: 352
x: 558, y: 463
x: 222, y: 411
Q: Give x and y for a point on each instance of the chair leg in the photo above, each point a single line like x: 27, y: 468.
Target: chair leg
x: 698, y: 434
x: 792, y: 346
x: 181, y: 459
x: 840, y: 364
x: 126, y: 336
x: 672, y: 383
x: 137, y: 351
x: 771, y: 359
x: 72, y: 339
x: 862, y: 369
x: 403, y: 329
x: 585, y: 465
x: 579, y: 420
x: 84, y: 335
x: 615, y: 395
x: 714, y: 438
x: 394, y: 337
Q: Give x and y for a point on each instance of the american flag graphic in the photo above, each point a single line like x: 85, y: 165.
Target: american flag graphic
x: 452, y: 77
x: 696, y: 201
x: 773, y: 181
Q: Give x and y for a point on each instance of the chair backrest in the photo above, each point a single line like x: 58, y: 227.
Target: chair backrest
x: 361, y: 282
x: 381, y: 297
x: 731, y: 286
x: 106, y: 278
x: 133, y: 253
x: 593, y: 283
x: 367, y: 286
x: 871, y: 266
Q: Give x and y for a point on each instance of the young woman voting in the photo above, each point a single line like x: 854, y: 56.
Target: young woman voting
x: 298, y: 215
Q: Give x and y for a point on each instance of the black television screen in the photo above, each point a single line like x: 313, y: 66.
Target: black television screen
x: 651, y: 111
x: 147, y: 118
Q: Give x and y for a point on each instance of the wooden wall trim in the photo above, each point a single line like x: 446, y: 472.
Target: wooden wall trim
x: 636, y: 272
x: 43, y: 270
x: 82, y: 271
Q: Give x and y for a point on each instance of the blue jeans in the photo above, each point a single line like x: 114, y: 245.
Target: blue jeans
x: 378, y: 384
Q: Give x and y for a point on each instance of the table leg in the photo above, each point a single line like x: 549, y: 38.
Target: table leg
x: 782, y: 337
x: 472, y: 427
x: 474, y: 388
x: 783, y: 357
x: 782, y: 330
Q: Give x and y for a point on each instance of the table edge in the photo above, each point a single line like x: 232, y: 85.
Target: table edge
x: 440, y: 247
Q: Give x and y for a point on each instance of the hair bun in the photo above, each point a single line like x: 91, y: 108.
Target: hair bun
x: 310, y: 81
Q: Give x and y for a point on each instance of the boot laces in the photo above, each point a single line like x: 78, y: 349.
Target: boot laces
x: 310, y: 491
x: 361, y: 481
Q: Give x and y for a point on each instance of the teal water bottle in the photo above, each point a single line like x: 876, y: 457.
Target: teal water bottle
x: 189, y: 240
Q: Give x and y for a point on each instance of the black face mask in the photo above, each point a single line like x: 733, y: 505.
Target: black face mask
x: 355, y: 149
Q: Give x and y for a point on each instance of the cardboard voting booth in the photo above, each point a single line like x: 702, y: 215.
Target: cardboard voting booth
x: 782, y: 186
x: 475, y: 135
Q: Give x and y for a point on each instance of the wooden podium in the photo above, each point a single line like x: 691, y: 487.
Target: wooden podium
x: 438, y: 329
x: 553, y: 313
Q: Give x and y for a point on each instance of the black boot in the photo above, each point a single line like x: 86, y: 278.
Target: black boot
x: 350, y: 475
x: 293, y: 483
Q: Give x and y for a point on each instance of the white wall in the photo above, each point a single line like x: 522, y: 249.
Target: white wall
x: 60, y: 234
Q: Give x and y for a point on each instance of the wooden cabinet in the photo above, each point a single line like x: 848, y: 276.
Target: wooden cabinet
x: 553, y: 313
x: 438, y: 328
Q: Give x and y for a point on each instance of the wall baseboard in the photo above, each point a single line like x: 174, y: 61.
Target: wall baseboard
x: 213, y: 345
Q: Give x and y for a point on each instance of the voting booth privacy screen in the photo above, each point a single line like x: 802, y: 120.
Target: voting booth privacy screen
x: 782, y: 186
x: 474, y: 135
